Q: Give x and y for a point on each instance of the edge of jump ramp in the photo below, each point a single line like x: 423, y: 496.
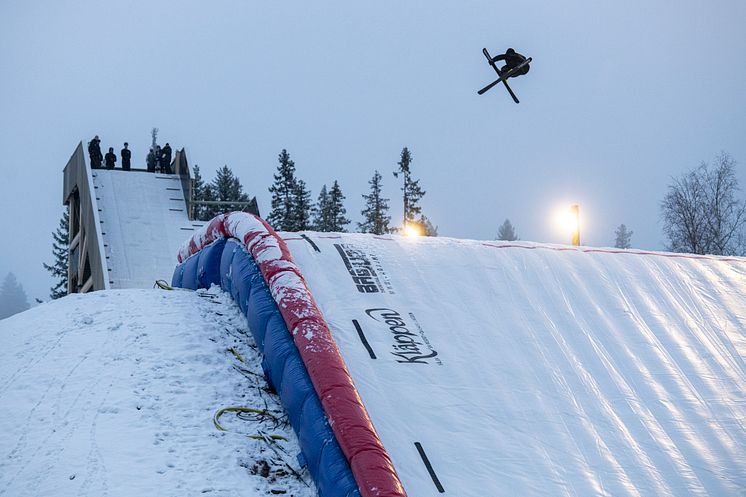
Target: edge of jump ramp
x: 247, y: 258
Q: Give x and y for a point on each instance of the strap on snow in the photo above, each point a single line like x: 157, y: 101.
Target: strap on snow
x: 236, y: 354
x: 259, y: 414
x: 162, y: 285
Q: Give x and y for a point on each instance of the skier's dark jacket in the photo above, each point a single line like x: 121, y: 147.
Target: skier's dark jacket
x: 512, y: 59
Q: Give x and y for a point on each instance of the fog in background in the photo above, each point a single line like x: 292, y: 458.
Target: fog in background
x: 619, y: 99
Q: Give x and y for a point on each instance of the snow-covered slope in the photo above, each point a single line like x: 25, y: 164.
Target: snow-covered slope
x: 492, y: 369
x: 113, y: 393
x: 143, y: 221
x: 487, y: 369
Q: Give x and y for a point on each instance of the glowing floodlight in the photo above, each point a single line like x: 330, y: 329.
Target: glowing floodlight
x: 568, y: 220
x: 412, y: 229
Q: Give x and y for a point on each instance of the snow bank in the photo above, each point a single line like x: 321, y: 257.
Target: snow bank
x: 113, y: 393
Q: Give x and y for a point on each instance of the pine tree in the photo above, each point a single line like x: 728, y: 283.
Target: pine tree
x: 428, y: 229
x: 375, y: 213
x: 411, y: 188
x: 320, y: 211
x: 209, y: 211
x: 337, y: 211
x: 225, y: 187
x: 623, y: 237
x: 506, y: 232
x: 12, y: 297
x: 58, y: 268
x: 302, y: 206
x: 199, y: 190
x: 283, y: 194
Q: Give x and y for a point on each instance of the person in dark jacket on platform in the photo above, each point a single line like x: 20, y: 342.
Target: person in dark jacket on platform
x: 94, y: 152
x: 110, y: 158
x: 150, y: 161
x: 512, y: 60
x: 126, y: 154
x: 166, y: 159
x: 158, y: 154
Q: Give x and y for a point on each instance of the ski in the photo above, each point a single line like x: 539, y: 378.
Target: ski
x: 510, y: 90
x: 489, y: 86
x: 503, y: 76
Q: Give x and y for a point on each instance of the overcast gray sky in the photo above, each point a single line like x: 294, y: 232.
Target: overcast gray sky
x: 621, y: 97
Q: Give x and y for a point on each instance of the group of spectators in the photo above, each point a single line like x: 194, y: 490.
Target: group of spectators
x: 158, y: 160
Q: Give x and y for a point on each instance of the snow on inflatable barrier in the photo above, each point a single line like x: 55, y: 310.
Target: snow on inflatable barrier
x: 245, y: 256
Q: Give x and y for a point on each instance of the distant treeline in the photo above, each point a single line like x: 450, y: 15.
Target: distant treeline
x: 293, y: 207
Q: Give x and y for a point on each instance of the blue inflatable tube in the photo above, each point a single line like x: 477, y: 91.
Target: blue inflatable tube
x: 226, y: 263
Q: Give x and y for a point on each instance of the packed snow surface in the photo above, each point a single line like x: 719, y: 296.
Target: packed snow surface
x: 143, y: 222
x: 520, y: 369
x: 113, y: 393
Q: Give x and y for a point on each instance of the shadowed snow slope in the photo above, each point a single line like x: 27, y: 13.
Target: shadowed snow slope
x: 113, y: 393
x: 540, y: 370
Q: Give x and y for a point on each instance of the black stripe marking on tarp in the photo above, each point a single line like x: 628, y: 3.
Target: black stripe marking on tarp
x: 363, y: 339
x: 315, y: 247
x: 429, y: 467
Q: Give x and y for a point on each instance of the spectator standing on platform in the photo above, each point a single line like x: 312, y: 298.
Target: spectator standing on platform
x: 110, y: 158
x: 126, y: 154
x: 150, y: 161
x: 166, y: 159
x: 158, y: 163
x: 94, y: 152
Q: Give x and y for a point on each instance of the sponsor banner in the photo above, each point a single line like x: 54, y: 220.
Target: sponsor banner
x: 409, y: 344
x: 365, y: 269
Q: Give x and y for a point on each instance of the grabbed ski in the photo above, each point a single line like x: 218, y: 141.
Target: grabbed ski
x: 503, y: 76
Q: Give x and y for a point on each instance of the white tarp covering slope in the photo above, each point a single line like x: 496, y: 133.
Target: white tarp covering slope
x: 113, y: 393
x: 144, y: 222
x: 540, y: 371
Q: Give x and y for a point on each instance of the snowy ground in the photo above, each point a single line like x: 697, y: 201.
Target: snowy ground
x: 113, y: 393
x: 488, y: 369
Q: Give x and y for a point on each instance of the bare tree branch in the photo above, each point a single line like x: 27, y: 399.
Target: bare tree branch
x: 701, y: 213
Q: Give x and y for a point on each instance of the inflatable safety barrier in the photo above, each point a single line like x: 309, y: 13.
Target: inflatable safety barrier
x: 492, y: 368
x: 244, y: 255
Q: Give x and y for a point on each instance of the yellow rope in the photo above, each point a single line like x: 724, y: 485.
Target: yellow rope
x: 162, y: 285
x: 219, y: 412
x: 238, y: 356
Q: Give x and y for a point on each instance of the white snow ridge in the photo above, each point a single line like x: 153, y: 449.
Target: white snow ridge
x: 113, y: 393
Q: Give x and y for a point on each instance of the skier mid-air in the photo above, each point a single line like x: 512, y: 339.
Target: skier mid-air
x: 512, y: 60
x: 515, y: 65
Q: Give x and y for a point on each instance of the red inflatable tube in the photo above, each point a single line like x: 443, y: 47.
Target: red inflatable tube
x: 368, y: 459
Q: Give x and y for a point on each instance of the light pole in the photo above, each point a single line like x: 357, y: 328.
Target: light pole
x: 575, y: 213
